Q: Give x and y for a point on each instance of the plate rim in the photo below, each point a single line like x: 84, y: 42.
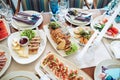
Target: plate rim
x: 106, y: 62
x: 77, y: 23
x: 8, y: 29
x: 19, y: 73
x: 32, y: 26
x: 8, y: 62
x: 37, y: 55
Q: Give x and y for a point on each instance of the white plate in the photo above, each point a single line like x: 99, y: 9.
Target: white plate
x: 7, y: 27
x: 7, y: 54
x: 70, y: 66
x: 22, y: 26
x: 61, y: 52
x: 20, y: 75
x: 31, y: 58
x: 115, y: 47
x: 98, y: 19
x: 106, y: 63
x: 76, y: 22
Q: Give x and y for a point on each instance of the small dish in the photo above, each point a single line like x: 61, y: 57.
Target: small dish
x: 24, y: 41
x: 108, y: 64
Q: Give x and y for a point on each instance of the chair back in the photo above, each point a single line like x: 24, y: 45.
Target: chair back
x: 76, y: 3
x: 42, y: 5
x: 37, y: 5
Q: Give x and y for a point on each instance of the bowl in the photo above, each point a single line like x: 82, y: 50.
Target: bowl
x: 24, y: 40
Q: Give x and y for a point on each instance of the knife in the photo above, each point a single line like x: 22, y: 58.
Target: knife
x: 50, y: 76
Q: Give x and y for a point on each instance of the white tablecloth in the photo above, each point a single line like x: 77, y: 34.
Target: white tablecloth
x: 100, y: 53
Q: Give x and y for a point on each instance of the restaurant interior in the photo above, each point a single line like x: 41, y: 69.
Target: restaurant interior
x: 59, y: 39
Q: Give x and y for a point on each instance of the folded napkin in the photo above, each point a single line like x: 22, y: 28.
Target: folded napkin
x: 26, y: 18
x: 84, y: 19
x: 115, y: 47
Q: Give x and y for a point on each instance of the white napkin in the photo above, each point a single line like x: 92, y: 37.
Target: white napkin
x: 115, y: 47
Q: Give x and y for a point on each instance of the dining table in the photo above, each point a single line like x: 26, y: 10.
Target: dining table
x: 89, y: 68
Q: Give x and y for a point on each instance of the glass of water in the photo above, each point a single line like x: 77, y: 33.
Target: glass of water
x: 63, y: 4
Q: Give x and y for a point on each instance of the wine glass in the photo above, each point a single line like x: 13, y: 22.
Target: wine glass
x: 3, y: 8
x: 54, y: 7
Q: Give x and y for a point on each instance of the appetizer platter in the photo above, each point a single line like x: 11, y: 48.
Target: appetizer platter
x: 98, y: 24
x: 26, y: 46
x: 77, y: 17
x: 81, y: 34
x: 108, y: 70
x: 27, y: 20
x: 20, y: 75
x: 5, y: 59
x: 62, y: 42
x: 4, y: 29
x: 60, y: 68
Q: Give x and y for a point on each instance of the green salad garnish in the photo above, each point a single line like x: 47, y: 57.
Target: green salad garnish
x: 73, y: 49
x: 54, y: 25
x: 29, y: 33
x: 99, y: 27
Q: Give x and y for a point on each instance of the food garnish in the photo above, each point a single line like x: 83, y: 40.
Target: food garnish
x: 112, y: 31
x: 59, y: 69
x: 73, y: 12
x: 54, y: 25
x: 73, y: 49
x: 29, y: 33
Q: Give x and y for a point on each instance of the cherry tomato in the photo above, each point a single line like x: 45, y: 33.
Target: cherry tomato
x: 114, y: 30
x: 105, y: 20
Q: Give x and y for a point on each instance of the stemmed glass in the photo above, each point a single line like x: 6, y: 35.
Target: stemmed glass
x: 54, y: 7
x: 63, y: 6
x: 3, y: 9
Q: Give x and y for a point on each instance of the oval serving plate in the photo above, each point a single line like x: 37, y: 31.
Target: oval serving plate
x: 8, y: 56
x: 111, y: 63
x: 63, y: 61
x: 31, y: 58
x: 60, y: 52
x: 22, y: 26
x: 20, y: 75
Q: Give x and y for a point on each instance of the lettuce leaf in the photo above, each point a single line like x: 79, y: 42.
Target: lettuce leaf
x: 74, y: 48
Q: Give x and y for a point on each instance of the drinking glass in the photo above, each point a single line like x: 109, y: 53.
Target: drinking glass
x: 54, y: 7
x: 3, y: 9
x: 63, y: 4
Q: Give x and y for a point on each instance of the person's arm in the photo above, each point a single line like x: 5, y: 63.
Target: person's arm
x: 18, y: 7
